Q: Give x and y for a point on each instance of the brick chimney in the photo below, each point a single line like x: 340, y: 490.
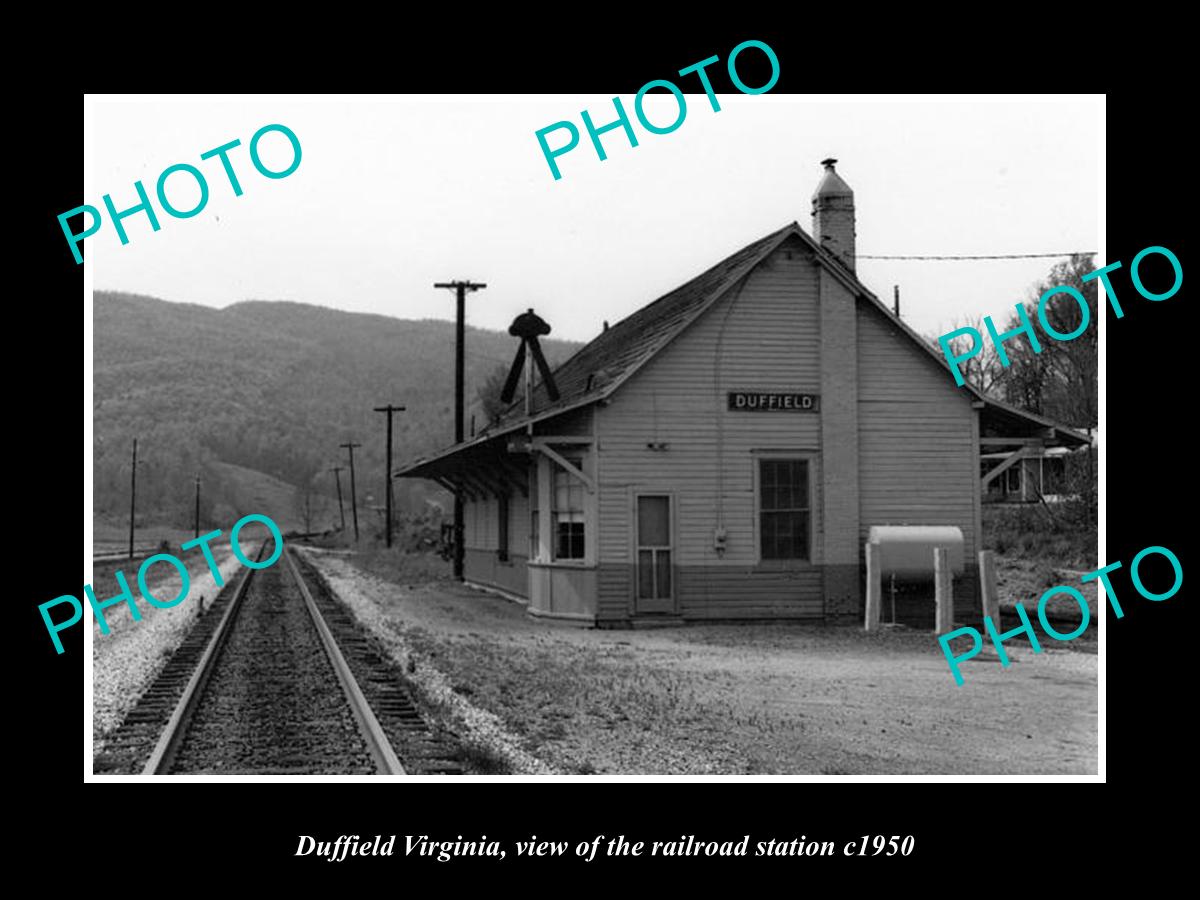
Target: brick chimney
x: 833, y: 215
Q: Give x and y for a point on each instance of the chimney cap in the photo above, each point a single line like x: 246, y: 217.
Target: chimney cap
x: 831, y: 185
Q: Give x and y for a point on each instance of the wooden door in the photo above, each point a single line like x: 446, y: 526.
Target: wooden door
x: 655, y: 559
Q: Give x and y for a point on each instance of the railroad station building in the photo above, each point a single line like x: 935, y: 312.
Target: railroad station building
x: 722, y: 453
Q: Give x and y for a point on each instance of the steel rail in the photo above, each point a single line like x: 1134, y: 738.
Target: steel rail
x: 160, y: 760
x: 377, y: 741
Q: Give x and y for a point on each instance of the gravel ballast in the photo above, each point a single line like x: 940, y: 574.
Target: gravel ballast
x: 126, y: 661
x: 367, y: 597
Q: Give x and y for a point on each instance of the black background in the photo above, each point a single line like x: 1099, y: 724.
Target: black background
x: 967, y: 834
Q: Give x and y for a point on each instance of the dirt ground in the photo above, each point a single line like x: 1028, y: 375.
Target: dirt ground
x: 737, y: 699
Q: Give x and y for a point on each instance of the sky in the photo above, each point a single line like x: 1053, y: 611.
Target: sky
x: 393, y: 194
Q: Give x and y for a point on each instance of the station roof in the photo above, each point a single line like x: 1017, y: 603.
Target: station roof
x: 600, y: 367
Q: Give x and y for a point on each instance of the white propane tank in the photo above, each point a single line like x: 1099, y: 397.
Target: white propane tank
x: 906, y: 551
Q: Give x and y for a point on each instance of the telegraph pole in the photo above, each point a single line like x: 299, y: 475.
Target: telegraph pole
x: 460, y: 288
x: 132, y: 495
x: 336, y: 470
x: 353, y: 494
x: 197, y: 505
x: 387, y: 473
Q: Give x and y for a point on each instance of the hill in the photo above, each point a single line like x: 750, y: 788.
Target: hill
x: 270, y: 388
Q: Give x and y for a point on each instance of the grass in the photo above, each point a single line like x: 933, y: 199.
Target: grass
x: 1033, y: 532
x: 1037, y: 550
x: 403, y: 566
x: 104, y: 578
x: 479, y: 759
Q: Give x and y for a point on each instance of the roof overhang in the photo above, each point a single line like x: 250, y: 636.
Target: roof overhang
x: 480, y: 468
x: 1002, y: 420
x: 491, y: 442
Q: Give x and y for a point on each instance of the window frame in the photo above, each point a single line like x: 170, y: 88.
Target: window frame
x: 812, y: 462
x: 1009, y: 487
x: 535, y: 504
x: 557, y: 471
x: 670, y: 547
x: 648, y: 606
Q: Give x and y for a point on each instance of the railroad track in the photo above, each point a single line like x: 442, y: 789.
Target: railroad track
x: 276, y: 677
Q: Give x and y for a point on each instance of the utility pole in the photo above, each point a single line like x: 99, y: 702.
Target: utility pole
x: 132, y: 495
x: 387, y: 472
x: 197, y: 505
x: 460, y: 288
x: 353, y: 493
x: 336, y: 470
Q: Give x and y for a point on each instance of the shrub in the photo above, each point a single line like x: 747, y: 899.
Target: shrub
x: 480, y: 759
x: 1062, y: 534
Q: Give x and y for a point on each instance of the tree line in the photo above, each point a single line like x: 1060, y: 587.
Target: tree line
x: 1060, y: 382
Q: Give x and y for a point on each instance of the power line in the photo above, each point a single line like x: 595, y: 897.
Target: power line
x: 992, y: 256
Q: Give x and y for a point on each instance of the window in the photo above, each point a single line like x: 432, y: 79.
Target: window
x: 654, y: 547
x: 1014, y: 479
x: 567, y: 513
x: 534, y: 522
x: 784, y: 513
x: 502, y: 527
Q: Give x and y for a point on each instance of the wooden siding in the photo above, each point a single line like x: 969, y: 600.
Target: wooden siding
x: 481, y: 525
x: 484, y: 567
x: 765, y: 337
x: 567, y: 592
x: 481, y: 543
x: 918, y: 452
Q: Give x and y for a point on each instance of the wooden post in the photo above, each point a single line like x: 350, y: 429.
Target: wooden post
x: 132, y: 495
x: 460, y: 289
x: 987, y: 586
x: 336, y: 470
x: 387, y: 471
x: 350, y: 445
x: 874, y: 587
x: 943, y: 591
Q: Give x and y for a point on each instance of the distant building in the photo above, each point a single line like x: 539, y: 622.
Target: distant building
x: 1034, y: 472
x: 722, y: 452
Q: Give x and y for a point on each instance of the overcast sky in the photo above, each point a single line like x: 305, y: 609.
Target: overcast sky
x: 394, y: 194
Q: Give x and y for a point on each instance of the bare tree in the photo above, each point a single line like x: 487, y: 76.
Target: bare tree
x: 304, y: 504
x: 1060, y: 378
x: 489, y: 393
x: 307, y: 509
x: 1072, y: 386
x: 983, y: 370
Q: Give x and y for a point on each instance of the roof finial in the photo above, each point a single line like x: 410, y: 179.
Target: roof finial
x: 828, y: 162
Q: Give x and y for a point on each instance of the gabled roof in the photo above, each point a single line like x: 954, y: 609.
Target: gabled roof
x: 598, y: 368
